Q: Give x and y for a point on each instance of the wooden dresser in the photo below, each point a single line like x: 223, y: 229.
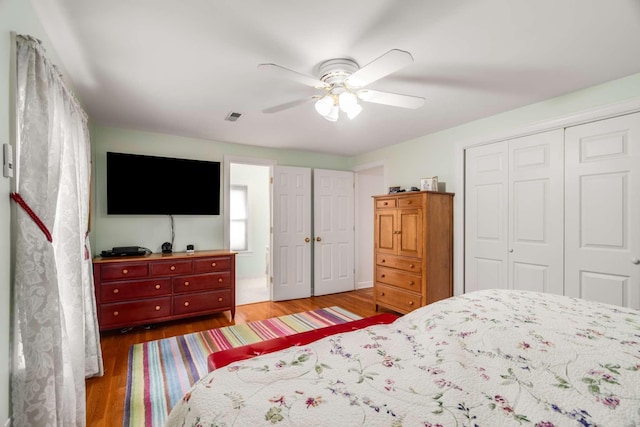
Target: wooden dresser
x: 141, y: 290
x: 413, y: 249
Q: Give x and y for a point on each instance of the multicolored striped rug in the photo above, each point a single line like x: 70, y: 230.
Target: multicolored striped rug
x: 161, y: 372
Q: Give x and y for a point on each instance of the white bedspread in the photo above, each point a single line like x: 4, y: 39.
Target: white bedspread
x: 487, y: 358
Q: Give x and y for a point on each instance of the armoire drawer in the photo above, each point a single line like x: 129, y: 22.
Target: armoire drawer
x: 126, y: 313
x: 201, y: 301
x: 407, y: 264
x: 201, y: 282
x: 410, y: 202
x: 386, y: 203
x: 122, y: 291
x: 401, y: 300
x: 408, y: 281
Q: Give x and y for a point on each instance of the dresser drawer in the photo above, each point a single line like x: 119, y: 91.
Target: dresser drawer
x: 201, y: 301
x: 117, y: 271
x: 399, y: 278
x: 166, y: 268
x: 121, y: 291
x: 410, y: 202
x: 386, y: 203
x: 201, y: 282
x: 210, y: 265
x: 403, y: 301
x: 127, y: 313
x: 412, y: 265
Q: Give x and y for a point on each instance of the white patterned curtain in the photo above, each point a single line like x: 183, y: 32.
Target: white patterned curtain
x: 56, y: 341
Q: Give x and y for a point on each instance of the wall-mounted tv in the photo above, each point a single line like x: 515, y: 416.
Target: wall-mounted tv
x: 149, y: 185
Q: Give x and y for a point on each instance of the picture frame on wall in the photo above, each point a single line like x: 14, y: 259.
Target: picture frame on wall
x: 429, y: 184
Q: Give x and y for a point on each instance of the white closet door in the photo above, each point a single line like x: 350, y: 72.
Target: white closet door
x: 333, y: 224
x: 603, y: 211
x: 291, y: 238
x: 536, y: 212
x: 486, y: 226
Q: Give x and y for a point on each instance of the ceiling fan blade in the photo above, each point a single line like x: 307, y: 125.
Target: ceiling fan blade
x: 384, y: 65
x: 282, y: 72
x: 393, y: 99
x: 287, y: 105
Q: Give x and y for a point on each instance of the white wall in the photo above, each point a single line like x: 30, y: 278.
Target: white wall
x: 369, y: 182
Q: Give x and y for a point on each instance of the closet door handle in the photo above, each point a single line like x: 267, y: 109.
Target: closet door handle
x: 307, y: 240
x: 636, y: 261
x: 318, y: 239
x: 510, y: 250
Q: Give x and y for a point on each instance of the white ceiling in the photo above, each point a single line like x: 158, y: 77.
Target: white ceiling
x: 180, y: 67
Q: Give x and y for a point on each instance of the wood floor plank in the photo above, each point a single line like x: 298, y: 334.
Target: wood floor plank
x: 105, y: 395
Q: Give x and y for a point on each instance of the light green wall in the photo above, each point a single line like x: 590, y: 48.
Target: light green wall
x: 434, y: 154
x: 205, y: 232
x: 20, y: 17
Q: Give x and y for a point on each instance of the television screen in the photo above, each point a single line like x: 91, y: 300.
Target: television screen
x: 138, y: 184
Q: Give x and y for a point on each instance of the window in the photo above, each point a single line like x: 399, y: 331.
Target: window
x: 239, y: 216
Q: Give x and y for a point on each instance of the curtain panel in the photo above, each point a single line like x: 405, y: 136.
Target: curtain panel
x: 56, y: 340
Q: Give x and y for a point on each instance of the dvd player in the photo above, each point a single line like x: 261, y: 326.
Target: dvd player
x: 125, y: 251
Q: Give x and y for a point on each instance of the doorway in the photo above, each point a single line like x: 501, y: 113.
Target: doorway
x: 248, y: 220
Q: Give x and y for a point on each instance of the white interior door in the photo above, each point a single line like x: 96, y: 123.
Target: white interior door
x: 603, y: 211
x: 486, y: 227
x: 333, y: 224
x: 536, y: 212
x: 291, y: 233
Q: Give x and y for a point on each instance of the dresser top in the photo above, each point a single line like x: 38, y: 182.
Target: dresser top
x: 161, y: 256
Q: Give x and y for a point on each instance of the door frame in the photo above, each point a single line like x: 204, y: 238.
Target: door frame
x: 599, y: 113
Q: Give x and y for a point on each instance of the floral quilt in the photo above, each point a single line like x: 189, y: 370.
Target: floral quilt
x: 487, y: 358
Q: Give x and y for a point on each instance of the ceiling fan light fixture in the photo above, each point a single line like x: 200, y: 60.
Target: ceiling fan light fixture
x: 347, y: 101
x: 333, y: 114
x: 324, y: 105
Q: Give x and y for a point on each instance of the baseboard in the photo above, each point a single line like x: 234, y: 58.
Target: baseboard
x: 7, y: 423
x: 364, y: 285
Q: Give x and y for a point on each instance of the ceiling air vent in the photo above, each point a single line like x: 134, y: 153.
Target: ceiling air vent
x: 232, y: 117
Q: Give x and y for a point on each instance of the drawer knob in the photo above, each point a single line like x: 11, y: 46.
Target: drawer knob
x: 125, y: 271
x: 186, y: 283
x: 383, y: 276
x: 157, y: 286
x: 410, y: 302
x: 386, y: 203
x: 381, y: 294
x: 220, y: 280
x: 410, y: 265
x: 186, y: 303
x: 219, y: 299
x: 116, y: 290
x: 409, y: 202
x: 411, y: 283
x: 383, y: 260
x: 213, y: 264
x: 115, y: 313
x: 157, y: 308
x: 172, y: 268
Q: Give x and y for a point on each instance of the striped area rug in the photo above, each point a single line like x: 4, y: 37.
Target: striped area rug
x: 162, y: 371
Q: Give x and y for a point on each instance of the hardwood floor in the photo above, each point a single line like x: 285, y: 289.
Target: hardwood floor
x: 105, y: 395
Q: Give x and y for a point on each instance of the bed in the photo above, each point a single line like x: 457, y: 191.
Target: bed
x: 487, y: 358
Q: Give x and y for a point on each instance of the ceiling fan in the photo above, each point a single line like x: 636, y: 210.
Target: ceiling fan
x: 343, y: 82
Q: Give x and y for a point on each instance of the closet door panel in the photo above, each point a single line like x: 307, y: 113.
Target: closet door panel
x: 603, y: 211
x: 486, y: 217
x: 536, y: 194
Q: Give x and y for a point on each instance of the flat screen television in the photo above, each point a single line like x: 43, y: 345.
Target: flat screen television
x: 149, y: 185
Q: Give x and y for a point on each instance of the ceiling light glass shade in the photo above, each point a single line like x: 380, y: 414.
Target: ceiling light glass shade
x: 333, y: 114
x: 354, y: 111
x: 324, y: 105
x: 347, y: 100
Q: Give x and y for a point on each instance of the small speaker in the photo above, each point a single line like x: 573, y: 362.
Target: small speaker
x: 167, y: 248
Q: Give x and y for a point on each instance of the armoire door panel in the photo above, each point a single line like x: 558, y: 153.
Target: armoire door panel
x: 604, y: 222
x: 411, y: 235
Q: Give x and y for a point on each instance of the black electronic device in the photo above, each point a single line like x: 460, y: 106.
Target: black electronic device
x: 149, y: 185
x: 167, y: 248
x: 125, y: 251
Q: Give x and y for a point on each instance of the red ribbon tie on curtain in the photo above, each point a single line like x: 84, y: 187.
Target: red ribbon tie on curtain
x: 20, y: 201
